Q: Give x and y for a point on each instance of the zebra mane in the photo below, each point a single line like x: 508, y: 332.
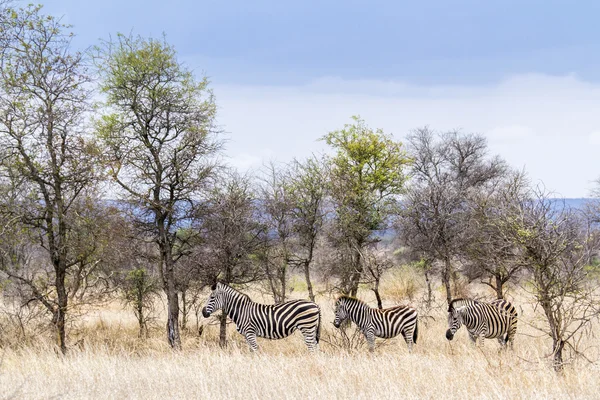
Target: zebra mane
x: 237, y: 292
x: 351, y: 299
x: 458, y: 304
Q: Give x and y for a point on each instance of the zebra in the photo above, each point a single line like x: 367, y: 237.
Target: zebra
x: 373, y: 322
x: 273, y: 321
x: 497, y: 319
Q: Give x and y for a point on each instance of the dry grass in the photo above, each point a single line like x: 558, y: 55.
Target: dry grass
x: 115, y: 364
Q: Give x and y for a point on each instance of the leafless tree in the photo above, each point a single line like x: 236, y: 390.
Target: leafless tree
x: 308, y: 181
x: 490, y: 253
x: 447, y: 168
x: 557, y: 246
x: 277, y: 206
x: 232, y: 236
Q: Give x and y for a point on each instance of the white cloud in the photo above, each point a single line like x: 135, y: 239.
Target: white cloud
x: 594, y: 138
x: 537, y: 121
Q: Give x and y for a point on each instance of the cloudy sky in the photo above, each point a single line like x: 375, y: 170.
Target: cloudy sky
x: 524, y: 74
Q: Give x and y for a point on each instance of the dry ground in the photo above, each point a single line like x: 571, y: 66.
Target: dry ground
x: 114, y: 364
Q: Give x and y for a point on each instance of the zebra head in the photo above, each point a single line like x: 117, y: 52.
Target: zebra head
x: 215, y: 300
x: 341, y: 312
x: 454, y: 319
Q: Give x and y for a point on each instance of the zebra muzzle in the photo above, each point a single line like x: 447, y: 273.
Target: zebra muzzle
x: 449, y: 335
x: 205, y: 313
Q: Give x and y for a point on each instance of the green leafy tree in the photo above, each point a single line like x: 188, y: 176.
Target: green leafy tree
x: 46, y: 155
x: 140, y: 290
x: 159, y: 144
x: 367, y: 174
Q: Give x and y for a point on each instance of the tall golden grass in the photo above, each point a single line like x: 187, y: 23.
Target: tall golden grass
x: 111, y: 362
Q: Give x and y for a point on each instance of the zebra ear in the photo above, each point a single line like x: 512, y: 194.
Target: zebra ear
x: 214, y: 286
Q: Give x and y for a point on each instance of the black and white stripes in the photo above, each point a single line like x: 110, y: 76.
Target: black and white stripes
x: 373, y: 322
x: 273, y: 321
x: 497, y: 319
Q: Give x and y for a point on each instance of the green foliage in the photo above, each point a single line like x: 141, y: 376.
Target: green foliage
x: 371, y: 160
x: 367, y: 173
x: 139, y: 289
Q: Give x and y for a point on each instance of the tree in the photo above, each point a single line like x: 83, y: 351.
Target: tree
x: 490, y: 252
x: 140, y: 290
x: 159, y: 144
x: 308, y: 190
x: 277, y: 205
x: 232, y: 236
x: 47, y: 157
x: 447, y: 169
x: 367, y: 175
x: 558, y: 246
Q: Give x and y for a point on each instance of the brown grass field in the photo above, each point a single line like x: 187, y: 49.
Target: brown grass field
x: 114, y: 364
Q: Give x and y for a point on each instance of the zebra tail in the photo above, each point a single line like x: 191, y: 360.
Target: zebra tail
x: 416, y: 332
x: 319, y: 326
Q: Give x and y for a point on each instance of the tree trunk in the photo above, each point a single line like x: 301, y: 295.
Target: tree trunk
x: 355, y: 279
x: 429, y: 290
x: 446, y: 274
x: 377, y: 295
x: 223, y: 331
x: 173, y: 335
x: 283, y: 282
x: 499, y: 284
x: 311, y: 295
x: 140, y: 314
x: 59, y: 317
x: 184, y: 311
x: 557, y: 348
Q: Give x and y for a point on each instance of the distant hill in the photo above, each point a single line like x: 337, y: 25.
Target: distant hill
x: 574, y: 203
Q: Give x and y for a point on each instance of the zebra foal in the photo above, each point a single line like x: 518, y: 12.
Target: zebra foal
x: 373, y: 322
x: 497, y: 319
x: 272, y: 321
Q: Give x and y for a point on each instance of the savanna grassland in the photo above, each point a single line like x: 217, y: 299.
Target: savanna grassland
x: 107, y: 360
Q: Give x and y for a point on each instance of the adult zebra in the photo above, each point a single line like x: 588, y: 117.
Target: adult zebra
x: 373, y: 322
x: 497, y: 319
x: 273, y: 321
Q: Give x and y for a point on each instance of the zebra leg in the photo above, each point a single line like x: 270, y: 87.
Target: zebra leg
x: 473, y: 337
x: 408, y: 338
x: 310, y: 338
x: 371, y: 340
x: 251, y: 340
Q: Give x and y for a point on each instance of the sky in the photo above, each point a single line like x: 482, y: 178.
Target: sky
x: 525, y: 74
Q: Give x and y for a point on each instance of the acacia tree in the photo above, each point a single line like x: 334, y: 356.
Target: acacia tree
x: 276, y: 200
x: 446, y: 170
x: 159, y: 144
x: 308, y: 190
x: 490, y: 252
x: 366, y: 176
x: 232, y: 236
x: 47, y: 157
x: 558, y: 245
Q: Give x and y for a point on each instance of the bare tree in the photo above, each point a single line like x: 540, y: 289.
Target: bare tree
x: 308, y: 182
x: 490, y: 253
x: 232, y: 236
x: 46, y: 154
x: 159, y: 144
x: 447, y: 168
x: 277, y: 206
x: 557, y: 247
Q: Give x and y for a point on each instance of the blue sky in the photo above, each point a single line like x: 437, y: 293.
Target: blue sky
x: 524, y: 73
